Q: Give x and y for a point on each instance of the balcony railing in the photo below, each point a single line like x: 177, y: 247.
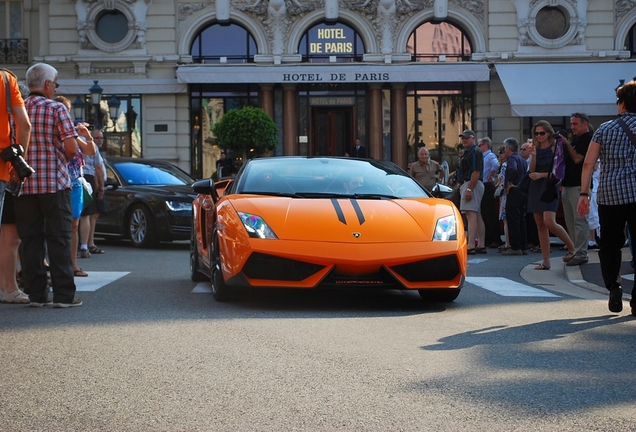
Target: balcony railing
x: 14, y: 51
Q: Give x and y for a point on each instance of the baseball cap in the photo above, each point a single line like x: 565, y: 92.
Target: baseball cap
x: 467, y: 133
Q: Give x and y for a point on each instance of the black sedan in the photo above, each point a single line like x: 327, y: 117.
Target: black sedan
x: 147, y: 201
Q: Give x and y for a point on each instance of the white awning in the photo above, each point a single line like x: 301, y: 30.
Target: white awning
x: 332, y: 73
x: 122, y: 86
x: 559, y: 89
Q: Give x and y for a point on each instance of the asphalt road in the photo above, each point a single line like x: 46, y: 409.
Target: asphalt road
x: 152, y: 351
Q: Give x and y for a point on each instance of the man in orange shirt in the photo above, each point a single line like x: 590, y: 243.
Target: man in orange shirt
x: 9, y: 240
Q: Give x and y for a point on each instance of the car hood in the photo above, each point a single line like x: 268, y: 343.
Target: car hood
x: 348, y: 220
x: 168, y: 191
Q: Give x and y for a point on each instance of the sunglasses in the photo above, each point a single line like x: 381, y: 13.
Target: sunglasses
x: 540, y: 133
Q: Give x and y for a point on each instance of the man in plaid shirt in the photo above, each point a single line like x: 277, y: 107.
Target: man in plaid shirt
x: 43, y: 210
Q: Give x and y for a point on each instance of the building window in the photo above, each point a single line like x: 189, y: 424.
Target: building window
x: 552, y: 22
x: 432, y: 42
x: 223, y: 44
x: 111, y: 26
x: 335, y: 43
x: 10, y: 19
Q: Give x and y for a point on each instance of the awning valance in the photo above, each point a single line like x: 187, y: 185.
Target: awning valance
x: 559, y: 89
x: 332, y: 73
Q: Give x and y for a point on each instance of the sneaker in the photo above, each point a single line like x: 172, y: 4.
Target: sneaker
x: 84, y: 253
x: 512, y: 252
x: 77, y: 302
x: 47, y: 302
x: 576, y: 261
x: 615, y: 303
x: 16, y: 296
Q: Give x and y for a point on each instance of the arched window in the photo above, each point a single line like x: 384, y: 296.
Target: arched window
x: 335, y: 42
x: 223, y: 44
x: 630, y: 42
x: 443, y: 41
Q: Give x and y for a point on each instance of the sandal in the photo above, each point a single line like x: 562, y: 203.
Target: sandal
x: 568, y: 256
x: 542, y: 267
x: 80, y: 273
x: 536, y: 249
x: 95, y: 250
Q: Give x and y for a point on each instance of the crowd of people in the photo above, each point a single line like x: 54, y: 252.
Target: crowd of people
x: 510, y: 200
x: 46, y: 218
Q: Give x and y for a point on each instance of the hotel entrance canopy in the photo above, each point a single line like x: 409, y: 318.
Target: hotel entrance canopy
x: 331, y: 73
x: 560, y: 89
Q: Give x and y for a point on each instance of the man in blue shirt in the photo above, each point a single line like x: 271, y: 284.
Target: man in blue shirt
x: 489, y: 211
x: 516, y: 198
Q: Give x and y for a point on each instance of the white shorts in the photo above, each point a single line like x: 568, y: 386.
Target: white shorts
x: 475, y: 203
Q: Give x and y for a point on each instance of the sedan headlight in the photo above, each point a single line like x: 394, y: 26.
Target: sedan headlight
x: 256, y: 226
x: 177, y: 206
x: 445, y: 229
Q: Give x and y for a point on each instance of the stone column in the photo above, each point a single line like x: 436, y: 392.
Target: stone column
x: 375, y: 121
x: 267, y: 99
x: 398, y: 125
x: 290, y: 120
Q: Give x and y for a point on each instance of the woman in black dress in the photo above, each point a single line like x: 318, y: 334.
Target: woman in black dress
x: 545, y: 213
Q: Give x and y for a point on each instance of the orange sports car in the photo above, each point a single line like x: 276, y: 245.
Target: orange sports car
x: 310, y: 222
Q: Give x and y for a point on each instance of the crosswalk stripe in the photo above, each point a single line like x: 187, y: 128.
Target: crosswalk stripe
x: 202, y: 287
x: 508, y: 288
x: 97, y: 279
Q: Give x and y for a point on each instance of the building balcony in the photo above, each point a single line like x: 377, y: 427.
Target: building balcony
x: 14, y: 51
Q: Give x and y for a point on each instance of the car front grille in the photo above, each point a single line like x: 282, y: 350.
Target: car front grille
x: 436, y: 269
x: 270, y: 267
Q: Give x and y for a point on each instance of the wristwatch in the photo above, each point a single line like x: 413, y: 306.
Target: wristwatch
x: 469, y: 190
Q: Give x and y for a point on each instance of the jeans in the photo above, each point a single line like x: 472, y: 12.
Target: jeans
x: 45, y: 219
x: 613, y: 219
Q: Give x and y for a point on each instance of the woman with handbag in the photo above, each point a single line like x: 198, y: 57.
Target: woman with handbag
x: 541, y: 169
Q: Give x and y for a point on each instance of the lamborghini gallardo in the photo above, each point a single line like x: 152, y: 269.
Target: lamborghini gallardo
x: 313, y: 222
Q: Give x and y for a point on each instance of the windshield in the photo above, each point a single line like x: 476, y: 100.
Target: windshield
x: 327, y: 177
x: 144, y: 174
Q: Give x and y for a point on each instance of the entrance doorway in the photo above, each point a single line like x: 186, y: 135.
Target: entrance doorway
x: 331, y: 131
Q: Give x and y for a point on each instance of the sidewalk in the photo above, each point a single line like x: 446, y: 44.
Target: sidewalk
x: 587, y: 276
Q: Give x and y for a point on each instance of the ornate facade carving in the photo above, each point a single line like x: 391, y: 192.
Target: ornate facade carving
x: 622, y: 7
x: 135, y: 12
x: 187, y: 9
x: 576, y: 23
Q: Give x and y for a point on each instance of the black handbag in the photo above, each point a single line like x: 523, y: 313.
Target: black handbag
x: 549, y: 191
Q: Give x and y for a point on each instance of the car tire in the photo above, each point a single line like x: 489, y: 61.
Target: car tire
x: 195, y: 272
x: 141, y: 227
x: 220, y: 291
x: 439, y: 295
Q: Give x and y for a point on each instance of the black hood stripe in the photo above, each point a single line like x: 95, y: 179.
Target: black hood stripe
x: 339, y: 212
x: 358, y: 210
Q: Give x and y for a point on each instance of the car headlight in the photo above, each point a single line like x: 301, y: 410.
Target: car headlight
x: 445, y: 229
x: 177, y: 206
x: 256, y: 226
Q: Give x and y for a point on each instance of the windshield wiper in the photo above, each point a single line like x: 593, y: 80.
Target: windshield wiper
x: 278, y: 194
x: 374, y: 196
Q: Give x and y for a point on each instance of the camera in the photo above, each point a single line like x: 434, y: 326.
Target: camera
x: 561, y: 132
x: 13, y: 154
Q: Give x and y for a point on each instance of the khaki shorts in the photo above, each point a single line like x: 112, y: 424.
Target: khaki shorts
x: 475, y: 203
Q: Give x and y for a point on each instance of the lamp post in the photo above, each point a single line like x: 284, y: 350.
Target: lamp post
x: 78, y: 108
x: 96, y: 97
x: 113, y: 110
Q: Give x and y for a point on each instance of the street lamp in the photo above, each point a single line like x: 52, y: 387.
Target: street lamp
x: 113, y: 110
x: 96, y: 97
x: 78, y: 108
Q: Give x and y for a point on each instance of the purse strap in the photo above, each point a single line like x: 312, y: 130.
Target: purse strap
x: 7, y: 92
x: 627, y: 130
